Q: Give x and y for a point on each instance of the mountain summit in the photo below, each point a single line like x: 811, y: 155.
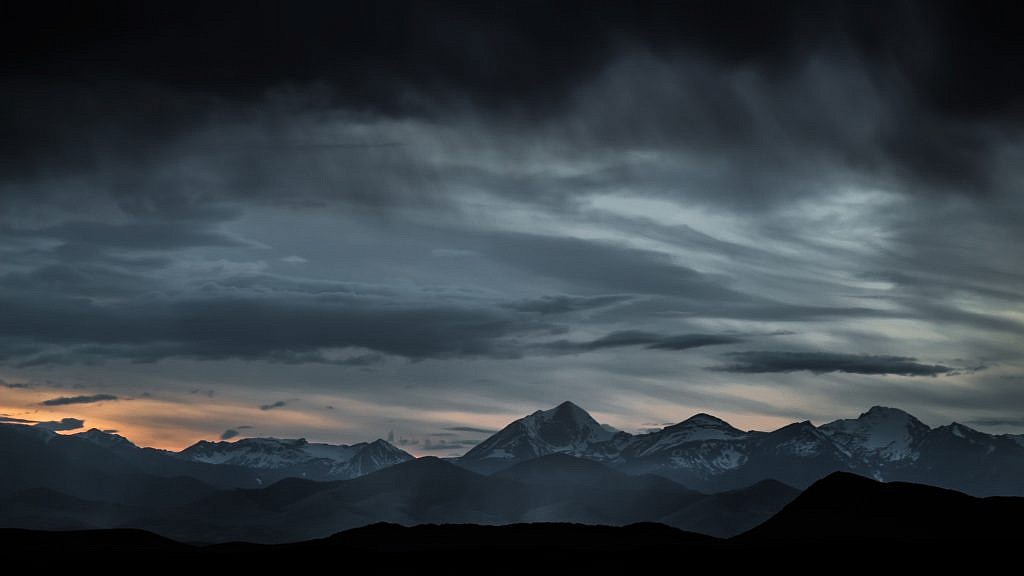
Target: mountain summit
x: 564, y: 429
x: 879, y: 436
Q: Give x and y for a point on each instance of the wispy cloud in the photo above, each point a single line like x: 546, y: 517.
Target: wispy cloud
x: 62, y: 425
x: 88, y: 399
x: 233, y: 432
x: 824, y: 362
x: 471, y: 429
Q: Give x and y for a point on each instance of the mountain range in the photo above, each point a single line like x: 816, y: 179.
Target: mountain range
x: 708, y: 454
x: 557, y: 465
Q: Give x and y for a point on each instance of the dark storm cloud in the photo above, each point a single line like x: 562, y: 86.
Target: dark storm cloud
x: 471, y: 429
x: 604, y: 266
x: 824, y: 362
x: 89, y: 399
x: 516, y: 62
x: 236, y: 431
x: 659, y: 173
x: 436, y: 445
x: 13, y: 420
x: 136, y: 236
x: 651, y: 341
x: 62, y: 425
x: 564, y: 303
x: 278, y: 404
x: 289, y: 328
x: 1014, y: 422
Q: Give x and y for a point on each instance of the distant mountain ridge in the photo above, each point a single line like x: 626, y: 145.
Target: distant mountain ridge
x: 701, y: 452
x: 92, y: 464
x: 305, y: 459
x: 708, y: 454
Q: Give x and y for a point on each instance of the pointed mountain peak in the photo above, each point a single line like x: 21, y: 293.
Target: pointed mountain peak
x: 566, y: 428
x: 707, y: 421
x: 802, y: 427
x: 569, y: 410
x: 698, y: 428
x: 566, y: 412
x: 881, y: 434
x: 109, y: 439
x: 877, y: 412
x: 961, y: 431
x: 381, y: 446
x: 883, y: 414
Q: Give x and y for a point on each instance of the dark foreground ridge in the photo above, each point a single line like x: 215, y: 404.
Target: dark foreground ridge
x: 862, y: 520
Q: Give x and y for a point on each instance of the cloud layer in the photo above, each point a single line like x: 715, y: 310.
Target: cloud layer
x: 480, y: 210
x: 87, y: 399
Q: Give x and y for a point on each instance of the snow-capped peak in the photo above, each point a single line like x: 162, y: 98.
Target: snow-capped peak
x: 881, y: 433
x: 335, y: 460
x: 566, y: 428
x: 697, y: 428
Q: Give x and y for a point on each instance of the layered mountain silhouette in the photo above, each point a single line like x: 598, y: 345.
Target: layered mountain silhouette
x: 865, y: 523
x: 559, y: 465
x: 553, y: 488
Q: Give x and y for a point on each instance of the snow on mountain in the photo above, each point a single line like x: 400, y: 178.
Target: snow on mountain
x: 328, y: 460
x: 800, y: 439
x: 962, y: 434
x: 564, y: 429
x: 697, y: 428
x: 694, y: 451
x: 880, y: 435
x: 371, y: 457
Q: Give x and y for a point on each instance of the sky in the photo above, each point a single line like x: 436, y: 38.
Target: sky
x: 419, y: 222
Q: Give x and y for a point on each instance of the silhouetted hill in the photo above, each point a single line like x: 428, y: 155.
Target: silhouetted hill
x: 845, y: 507
x: 525, y: 537
x: 726, y: 514
x: 74, y: 543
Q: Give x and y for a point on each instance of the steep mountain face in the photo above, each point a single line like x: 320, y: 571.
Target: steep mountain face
x: 961, y: 458
x: 564, y: 429
x: 695, y: 452
x: 797, y: 455
x: 879, y: 439
x: 299, y: 457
